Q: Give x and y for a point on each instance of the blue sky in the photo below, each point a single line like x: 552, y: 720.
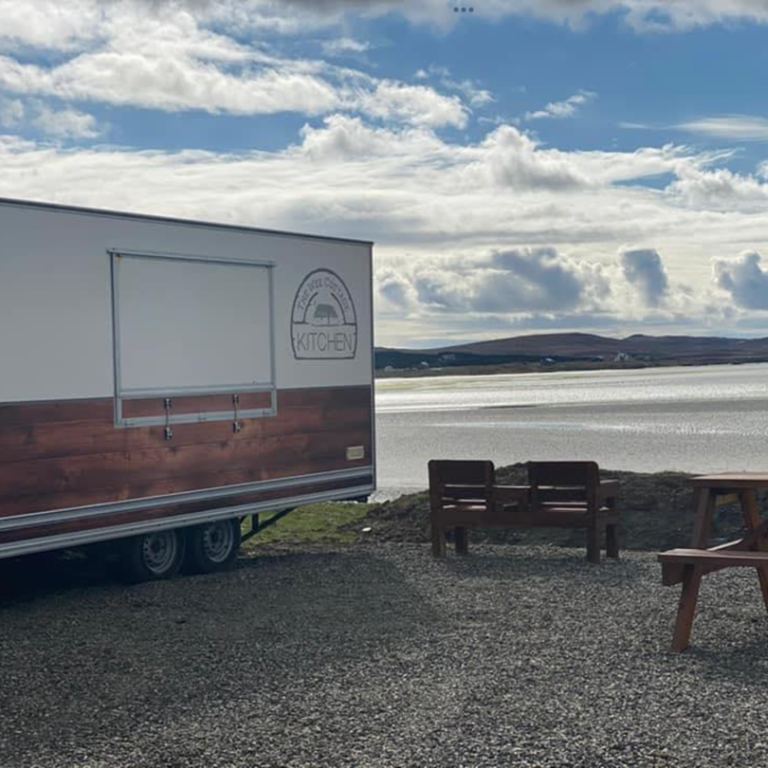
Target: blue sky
x: 532, y: 166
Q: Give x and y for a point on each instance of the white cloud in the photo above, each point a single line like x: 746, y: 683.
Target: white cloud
x: 530, y: 282
x: 475, y: 95
x: 171, y: 84
x: 644, y: 269
x: 60, y: 26
x: 643, y: 15
x: 682, y: 15
x: 48, y: 23
x: 416, y: 104
x: 718, y: 190
x: 348, y: 138
x: 539, y: 227
x: 471, y: 90
x: 65, y: 123
x: 11, y: 113
x: 634, y: 126
x: 402, y: 187
x: 460, y: 229
x: 167, y: 60
x: 562, y: 109
x: 732, y: 127
x: 744, y: 279
x: 505, y: 282
x: 513, y: 160
x: 342, y: 45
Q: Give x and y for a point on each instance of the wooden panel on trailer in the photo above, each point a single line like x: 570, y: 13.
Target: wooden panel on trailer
x: 62, y: 464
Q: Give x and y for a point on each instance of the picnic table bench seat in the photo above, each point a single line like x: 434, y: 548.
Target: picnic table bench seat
x: 689, y: 566
x: 730, y: 559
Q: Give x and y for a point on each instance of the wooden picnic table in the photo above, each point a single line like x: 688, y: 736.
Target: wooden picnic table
x: 688, y: 566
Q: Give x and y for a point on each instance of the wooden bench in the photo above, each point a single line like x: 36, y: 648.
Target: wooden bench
x: 464, y: 495
x: 570, y: 494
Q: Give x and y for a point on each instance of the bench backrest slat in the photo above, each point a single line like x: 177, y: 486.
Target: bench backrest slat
x: 456, y: 479
x: 553, y: 481
x: 564, y: 474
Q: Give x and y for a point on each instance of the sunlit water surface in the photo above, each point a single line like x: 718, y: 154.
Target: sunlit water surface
x: 702, y: 419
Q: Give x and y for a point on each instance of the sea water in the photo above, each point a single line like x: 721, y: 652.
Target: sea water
x: 694, y: 419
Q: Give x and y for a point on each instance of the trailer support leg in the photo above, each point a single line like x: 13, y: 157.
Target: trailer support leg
x: 258, y: 527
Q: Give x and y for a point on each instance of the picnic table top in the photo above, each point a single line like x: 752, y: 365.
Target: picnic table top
x: 731, y: 480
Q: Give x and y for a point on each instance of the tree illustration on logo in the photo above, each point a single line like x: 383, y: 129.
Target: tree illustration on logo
x: 325, y: 312
x: 323, y: 318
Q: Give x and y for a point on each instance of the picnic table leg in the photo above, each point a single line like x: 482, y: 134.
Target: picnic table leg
x: 704, y: 506
x: 612, y: 541
x: 462, y: 542
x: 687, y: 608
x: 752, y: 520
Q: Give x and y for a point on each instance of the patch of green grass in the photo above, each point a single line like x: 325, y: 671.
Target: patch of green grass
x: 318, y: 524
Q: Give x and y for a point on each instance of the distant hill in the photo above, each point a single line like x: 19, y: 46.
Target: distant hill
x: 581, y: 348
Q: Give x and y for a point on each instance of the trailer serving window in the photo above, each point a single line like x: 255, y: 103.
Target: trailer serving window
x: 190, y: 327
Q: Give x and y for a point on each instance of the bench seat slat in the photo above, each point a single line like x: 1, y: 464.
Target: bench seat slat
x: 708, y: 557
x: 470, y: 516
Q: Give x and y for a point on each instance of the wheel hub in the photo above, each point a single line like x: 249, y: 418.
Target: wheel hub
x: 218, y: 540
x: 159, y: 551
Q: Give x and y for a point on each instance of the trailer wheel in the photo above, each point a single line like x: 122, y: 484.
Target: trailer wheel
x: 153, y: 556
x: 212, y: 546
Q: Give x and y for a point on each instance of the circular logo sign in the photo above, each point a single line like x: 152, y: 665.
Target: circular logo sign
x: 323, y: 319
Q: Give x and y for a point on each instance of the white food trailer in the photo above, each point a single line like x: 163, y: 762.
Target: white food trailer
x: 162, y: 379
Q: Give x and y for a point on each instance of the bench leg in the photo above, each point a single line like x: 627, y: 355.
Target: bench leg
x: 438, y: 541
x: 687, y: 608
x: 593, y: 545
x: 612, y: 541
x: 462, y: 541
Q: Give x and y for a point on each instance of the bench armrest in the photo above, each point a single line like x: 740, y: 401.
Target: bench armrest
x: 609, y: 489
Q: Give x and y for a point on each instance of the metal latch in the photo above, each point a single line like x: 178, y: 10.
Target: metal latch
x: 168, y: 404
x: 237, y: 426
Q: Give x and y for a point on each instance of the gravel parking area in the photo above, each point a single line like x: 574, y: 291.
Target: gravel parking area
x: 381, y: 656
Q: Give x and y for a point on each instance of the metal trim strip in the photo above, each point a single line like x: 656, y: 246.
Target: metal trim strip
x: 171, y: 256
x: 50, y: 517
x: 110, y: 396
x: 62, y: 541
x: 111, y: 214
x: 234, y: 389
x: 373, y: 374
x: 197, y: 418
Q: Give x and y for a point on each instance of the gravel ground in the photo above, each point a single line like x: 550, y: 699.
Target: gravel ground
x: 381, y: 656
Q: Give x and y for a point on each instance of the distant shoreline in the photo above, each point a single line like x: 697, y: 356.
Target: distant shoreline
x: 509, y: 368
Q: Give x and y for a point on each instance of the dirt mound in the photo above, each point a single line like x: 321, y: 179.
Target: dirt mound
x: 656, y: 510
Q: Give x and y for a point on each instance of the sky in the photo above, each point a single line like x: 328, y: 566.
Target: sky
x: 523, y: 166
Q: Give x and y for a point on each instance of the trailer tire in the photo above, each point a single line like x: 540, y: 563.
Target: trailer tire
x: 152, y: 556
x: 212, y: 546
